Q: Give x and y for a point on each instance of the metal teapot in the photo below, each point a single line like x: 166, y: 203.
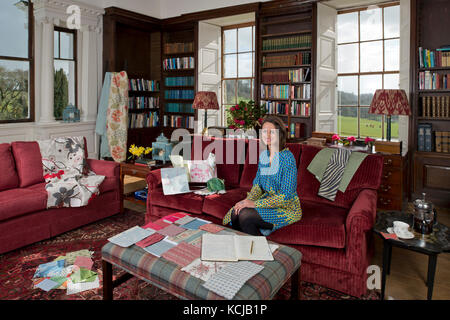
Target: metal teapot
x: 425, y: 216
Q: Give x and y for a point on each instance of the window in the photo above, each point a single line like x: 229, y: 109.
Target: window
x: 238, y: 64
x: 368, y: 59
x: 16, y: 61
x: 65, y: 64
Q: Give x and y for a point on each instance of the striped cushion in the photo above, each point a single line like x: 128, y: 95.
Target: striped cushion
x: 168, y: 276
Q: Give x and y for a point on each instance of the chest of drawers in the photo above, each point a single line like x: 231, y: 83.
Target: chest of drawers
x: 392, y: 191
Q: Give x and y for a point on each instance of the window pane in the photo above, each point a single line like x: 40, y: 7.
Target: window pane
x: 66, y: 45
x: 245, y: 65
x: 14, y: 86
x: 392, y: 22
x: 394, y: 127
x: 230, y: 66
x: 372, y: 56
x: 230, y: 41
x: 14, y: 28
x: 244, y: 90
x: 56, y: 44
x: 348, y: 121
x: 347, y: 27
x: 371, y: 27
x: 391, y: 81
x: 229, y: 87
x: 367, y: 86
x: 64, y: 86
x: 348, y: 91
x: 392, y: 55
x: 245, y: 39
x: 348, y: 58
x: 369, y: 124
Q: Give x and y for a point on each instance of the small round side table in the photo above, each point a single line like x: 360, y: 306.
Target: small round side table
x: 433, y: 244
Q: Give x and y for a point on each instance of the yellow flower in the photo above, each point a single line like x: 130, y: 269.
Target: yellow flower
x: 148, y: 150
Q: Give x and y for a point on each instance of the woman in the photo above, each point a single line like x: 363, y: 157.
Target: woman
x: 272, y: 202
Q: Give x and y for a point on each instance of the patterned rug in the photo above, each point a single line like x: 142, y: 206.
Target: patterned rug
x: 18, y: 267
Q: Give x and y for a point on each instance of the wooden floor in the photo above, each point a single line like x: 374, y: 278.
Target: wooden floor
x: 408, y: 269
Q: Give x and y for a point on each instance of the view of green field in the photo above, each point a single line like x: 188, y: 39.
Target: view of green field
x: 348, y: 126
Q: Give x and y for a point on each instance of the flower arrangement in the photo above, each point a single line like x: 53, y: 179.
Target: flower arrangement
x: 245, y: 115
x: 369, y: 141
x: 138, y: 152
x: 345, y: 141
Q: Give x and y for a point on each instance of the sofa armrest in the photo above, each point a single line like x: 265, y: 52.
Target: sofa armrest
x: 154, y: 179
x: 363, y: 211
x: 104, y: 168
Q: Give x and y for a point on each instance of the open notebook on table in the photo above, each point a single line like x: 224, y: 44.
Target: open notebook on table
x: 216, y: 247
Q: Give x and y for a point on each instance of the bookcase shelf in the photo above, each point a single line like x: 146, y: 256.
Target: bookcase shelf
x: 434, y: 91
x: 286, y: 21
x: 270, y: 35
x: 287, y: 50
x: 434, y: 69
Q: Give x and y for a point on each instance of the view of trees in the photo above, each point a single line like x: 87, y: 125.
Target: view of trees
x: 61, y: 93
x: 13, y: 94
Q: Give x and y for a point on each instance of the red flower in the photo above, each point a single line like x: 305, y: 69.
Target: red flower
x: 260, y: 120
x: 336, y: 137
x: 351, y: 138
x: 116, y: 115
x: 367, y: 140
x: 232, y: 127
x: 232, y: 109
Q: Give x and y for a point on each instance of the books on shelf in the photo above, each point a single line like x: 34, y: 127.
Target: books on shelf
x: 275, y: 91
x: 143, y: 85
x: 300, y: 58
x: 442, y: 141
x: 179, y: 94
x: 178, y: 47
x: 435, y: 107
x: 275, y: 107
x: 434, y: 58
x: 294, y: 75
x: 143, y: 120
x: 300, y: 108
x: 178, y: 63
x: 287, y: 42
x: 424, y: 137
x: 302, y: 91
x: 179, y: 107
x: 433, y: 80
x: 179, y: 121
x: 299, y: 75
x: 143, y: 102
x: 179, y: 81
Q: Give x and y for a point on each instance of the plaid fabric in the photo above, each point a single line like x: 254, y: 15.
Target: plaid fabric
x: 167, y: 275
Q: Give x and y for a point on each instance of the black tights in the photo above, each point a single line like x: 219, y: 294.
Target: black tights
x: 249, y: 221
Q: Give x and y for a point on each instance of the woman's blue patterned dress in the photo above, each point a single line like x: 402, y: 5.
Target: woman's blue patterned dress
x: 274, y: 191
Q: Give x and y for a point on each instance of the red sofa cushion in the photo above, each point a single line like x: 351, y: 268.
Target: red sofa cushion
x: 217, y: 205
x: 189, y: 202
x: 9, y: 178
x: 368, y: 176
x: 28, y: 162
x: 321, y: 225
x: 16, y: 202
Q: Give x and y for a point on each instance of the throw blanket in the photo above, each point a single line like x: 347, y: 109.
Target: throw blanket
x: 322, y: 161
x: 69, y: 182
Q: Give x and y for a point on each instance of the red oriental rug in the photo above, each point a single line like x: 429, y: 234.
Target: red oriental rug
x: 18, y: 267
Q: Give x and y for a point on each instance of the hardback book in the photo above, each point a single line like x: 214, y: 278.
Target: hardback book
x: 428, y: 142
x: 438, y: 137
x: 445, y: 141
x: 217, y: 247
x: 421, y: 138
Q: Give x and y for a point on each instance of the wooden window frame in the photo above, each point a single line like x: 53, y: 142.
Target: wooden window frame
x: 30, y: 59
x: 359, y: 73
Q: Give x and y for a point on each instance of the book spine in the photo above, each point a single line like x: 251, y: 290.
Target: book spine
x: 428, y: 146
x: 445, y: 141
x: 438, y: 137
x: 420, y: 138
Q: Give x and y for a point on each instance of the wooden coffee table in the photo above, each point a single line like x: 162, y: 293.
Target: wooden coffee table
x: 167, y: 275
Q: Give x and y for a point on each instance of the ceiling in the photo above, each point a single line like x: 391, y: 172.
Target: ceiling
x: 344, y: 4
x: 230, y: 20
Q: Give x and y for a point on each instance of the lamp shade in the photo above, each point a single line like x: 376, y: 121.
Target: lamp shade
x: 205, y: 100
x: 390, y: 102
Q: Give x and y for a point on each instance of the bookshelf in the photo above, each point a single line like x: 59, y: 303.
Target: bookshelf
x: 430, y: 101
x: 286, y: 59
x: 179, y: 69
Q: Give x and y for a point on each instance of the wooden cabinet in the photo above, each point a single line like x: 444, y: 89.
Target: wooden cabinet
x: 392, y: 191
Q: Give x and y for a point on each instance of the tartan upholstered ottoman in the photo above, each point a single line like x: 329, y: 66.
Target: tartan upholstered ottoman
x: 168, y: 276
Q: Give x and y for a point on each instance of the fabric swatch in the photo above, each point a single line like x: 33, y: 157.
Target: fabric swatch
x: 84, y: 262
x: 154, y: 238
x: 161, y: 222
x: 71, y: 256
x: 160, y: 247
x: 210, y: 227
x: 130, y: 236
x: 47, y: 285
x: 152, y: 226
x: 83, y: 275
x: 196, y: 238
x: 182, y: 254
x: 49, y: 269
x: 204, y: 269
x: 184, y: 220
x: 73, y: 288
x: 194, y: 224
x: 187, y: 233
x: 171, y: 230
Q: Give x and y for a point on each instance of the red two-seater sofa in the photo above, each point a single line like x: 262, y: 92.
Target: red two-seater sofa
x: 24, y: 218
x: 335, y: 238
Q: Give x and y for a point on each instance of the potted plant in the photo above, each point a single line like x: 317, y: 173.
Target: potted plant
x: 370, y: 143
x: 137, y: 153
x: 246, y: 116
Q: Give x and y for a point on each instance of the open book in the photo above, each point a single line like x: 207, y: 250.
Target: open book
x: 216, y: 247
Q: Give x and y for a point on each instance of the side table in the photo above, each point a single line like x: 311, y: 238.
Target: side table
x: 431, y: 245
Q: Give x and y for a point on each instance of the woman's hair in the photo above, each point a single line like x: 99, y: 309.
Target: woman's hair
x: 279, y: 124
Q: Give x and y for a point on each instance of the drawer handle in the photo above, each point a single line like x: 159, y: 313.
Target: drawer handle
x: 385, y: 202
x: 385, y: 188
x: 388, y: 175
x: 388, y: 162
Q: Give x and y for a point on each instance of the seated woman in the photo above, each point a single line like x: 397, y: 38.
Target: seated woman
x: 272, y: 202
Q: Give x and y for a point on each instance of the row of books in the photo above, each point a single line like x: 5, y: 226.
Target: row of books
x: 275, y: 91
x: 297, y: 130
x: 143, y: 120
x: 433, y: 80
x: 179, y: 81
x: 297, y: 75
x: 301, y: 108
x: 143, y: 85
x: 274, y: 107
x: 434, y: 58
x: 436, y: 106
x: 302, y: 91
x: 179, y: 94
x: 179, y: 107
x: 143, y: 102
x: 179, y: 121
x: 290, y: 42
x: 178, y: 63
x: 442, y: 139
x: 178, y: 47
x: 286, y: 60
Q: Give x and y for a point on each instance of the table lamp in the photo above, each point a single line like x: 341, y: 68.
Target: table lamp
x: 390, y: 102
x: 205, y: 100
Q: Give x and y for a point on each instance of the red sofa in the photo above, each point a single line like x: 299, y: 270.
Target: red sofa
x: 24, y: 218
x: 334, y: 237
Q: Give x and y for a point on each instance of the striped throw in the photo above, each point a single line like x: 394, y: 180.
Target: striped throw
x: 333, y: 174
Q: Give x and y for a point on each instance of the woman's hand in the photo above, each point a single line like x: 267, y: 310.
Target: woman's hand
x: 243, y: 204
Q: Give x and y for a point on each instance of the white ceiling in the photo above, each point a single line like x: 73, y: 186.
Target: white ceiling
x: 230, y: 20
x: 344, y: 4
